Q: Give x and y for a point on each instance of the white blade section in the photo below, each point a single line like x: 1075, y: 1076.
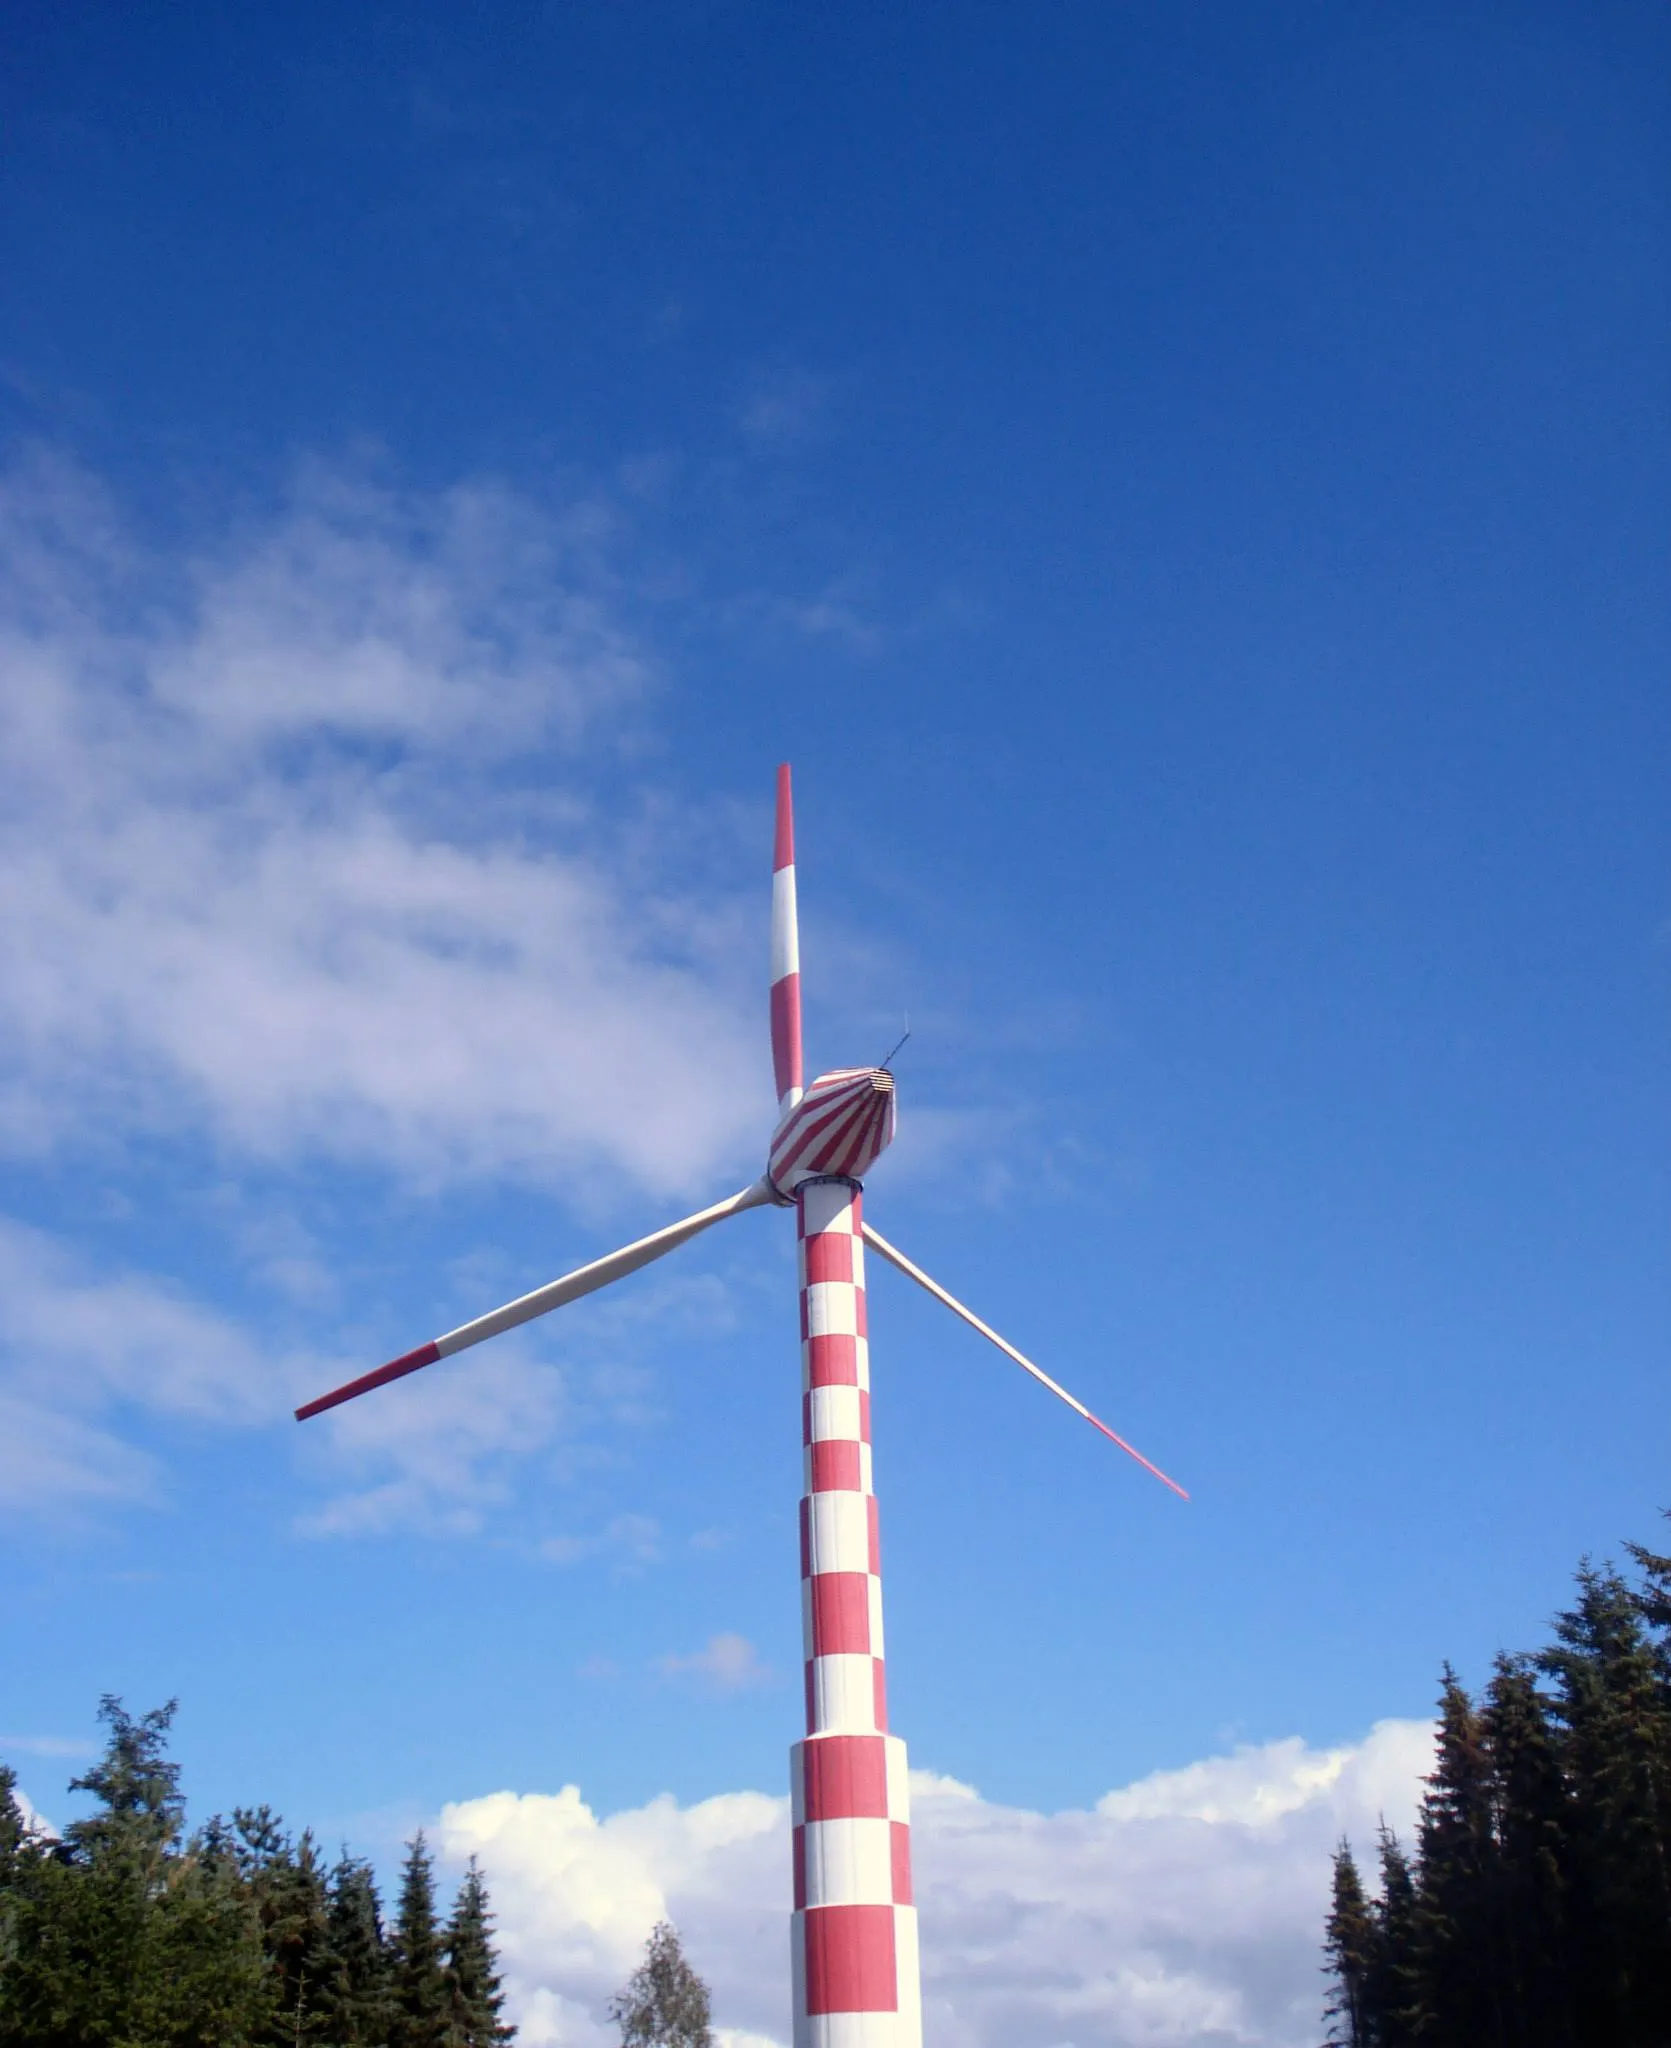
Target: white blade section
x: 583, y: 1280
x: 600, y: 1273
x: 895, y: 1257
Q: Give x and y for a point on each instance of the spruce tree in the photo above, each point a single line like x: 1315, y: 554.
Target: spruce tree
x: 141, y: 1808
x: 1532, y: 1823
x: 124, y: 1934
x: 357, y: 1997
x: 474, y: 1999
x: 128, y: 1933
x: 287, y: 1884
x: 664, y: 2004
x: 420, y: 1982
x: 1391, y: 1998
x: 1612, y: 1700
x: 1538, y: 1912
x: 1349, y: 1945
x: 1457, y: 1967
x: 21, y: 1849
x: 19, y: 1842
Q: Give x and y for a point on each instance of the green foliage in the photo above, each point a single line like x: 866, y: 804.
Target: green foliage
x: 358, y: 1992
x: 123, y: 1934
x: 664, y: 2003
x: 1349, y: 1945
x: 420, y: 1983
x: 474, y: 1999
x: 128, y: 1933
x: 1537, y: 1912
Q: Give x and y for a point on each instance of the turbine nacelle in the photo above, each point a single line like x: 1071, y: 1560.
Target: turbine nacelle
x: 841, y: 1126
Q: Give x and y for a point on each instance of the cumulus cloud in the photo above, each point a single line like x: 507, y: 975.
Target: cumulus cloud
x: 291, y: 848
x: 1185, y: 1908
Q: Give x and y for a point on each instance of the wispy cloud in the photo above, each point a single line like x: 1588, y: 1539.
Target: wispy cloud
x: 629, y: 1542
x: 47, y: 1745
x: 784, y: 409
x: 725, y: 1663
x: 85, y: 1353
x: 437, y: 1457
x: 274, y: 863
x: 80, y: 1348
x: 1184, y: 1909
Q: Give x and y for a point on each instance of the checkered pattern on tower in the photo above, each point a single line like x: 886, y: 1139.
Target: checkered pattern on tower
x: 854, y: 1933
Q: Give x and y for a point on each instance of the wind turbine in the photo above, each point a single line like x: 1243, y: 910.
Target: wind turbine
x: 853, y: 1940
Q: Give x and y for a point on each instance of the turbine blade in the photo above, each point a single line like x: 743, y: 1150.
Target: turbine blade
x: 895, y: 1257
x: 786, y: 956
x: 583, y: 1280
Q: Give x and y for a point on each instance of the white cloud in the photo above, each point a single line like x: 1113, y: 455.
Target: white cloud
x: 47, y: 1745
x: 576, y: 1897
x: 84, y: 1352
x: 290, y: 849
x: 437, y: 1455
x: 1186, y: 1908
x: 629, y: 1541
x: 726, y: 1663
x: 79, y: 1347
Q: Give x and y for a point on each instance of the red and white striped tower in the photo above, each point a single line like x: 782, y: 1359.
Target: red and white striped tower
x: 853, y: 1939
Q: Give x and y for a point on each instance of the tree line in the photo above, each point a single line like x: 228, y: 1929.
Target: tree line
x: 1533, y: 1909
x: 126, y: 1932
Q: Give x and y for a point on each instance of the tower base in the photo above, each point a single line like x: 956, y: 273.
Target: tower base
x: 853, y: 1935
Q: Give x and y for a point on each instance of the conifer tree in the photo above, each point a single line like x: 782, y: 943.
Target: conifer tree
x: 21, y: 1849
x: 474, y: 1999
x: 357, y: 2000
x: 128, y: 1933
x: 1613, y: 1703
x: 16, y: 1837
x: 1349, y: 1945
x: 124, y: 1934
x: 664, y: 2003
x: 1653, y: 1599
x: 1538, y: 1910
x: 1391, y: 1999
x: 1456, y: 1918
x: 286, y: 1881
x: 420, y: 1983
x: 1532, y: 1824
x: 141, y: 1810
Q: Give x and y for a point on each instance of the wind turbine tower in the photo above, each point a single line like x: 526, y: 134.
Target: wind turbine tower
x: 853, y: 1930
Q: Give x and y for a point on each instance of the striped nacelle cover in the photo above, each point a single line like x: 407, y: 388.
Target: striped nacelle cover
x: 841, y: 1125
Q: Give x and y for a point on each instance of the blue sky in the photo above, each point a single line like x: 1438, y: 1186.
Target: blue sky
x: 1187, y: 490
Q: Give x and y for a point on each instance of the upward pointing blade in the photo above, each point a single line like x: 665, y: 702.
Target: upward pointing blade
x: 786, y: 956
x: 897, y: 1258
x: 583, y: 1280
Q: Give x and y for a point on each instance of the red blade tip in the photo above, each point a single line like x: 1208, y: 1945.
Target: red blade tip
x: 783, y: 849
x: 397, y: 1368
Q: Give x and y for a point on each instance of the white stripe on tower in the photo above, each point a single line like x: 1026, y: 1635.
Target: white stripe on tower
x: 853, y: 1943
x: 786, y: 956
